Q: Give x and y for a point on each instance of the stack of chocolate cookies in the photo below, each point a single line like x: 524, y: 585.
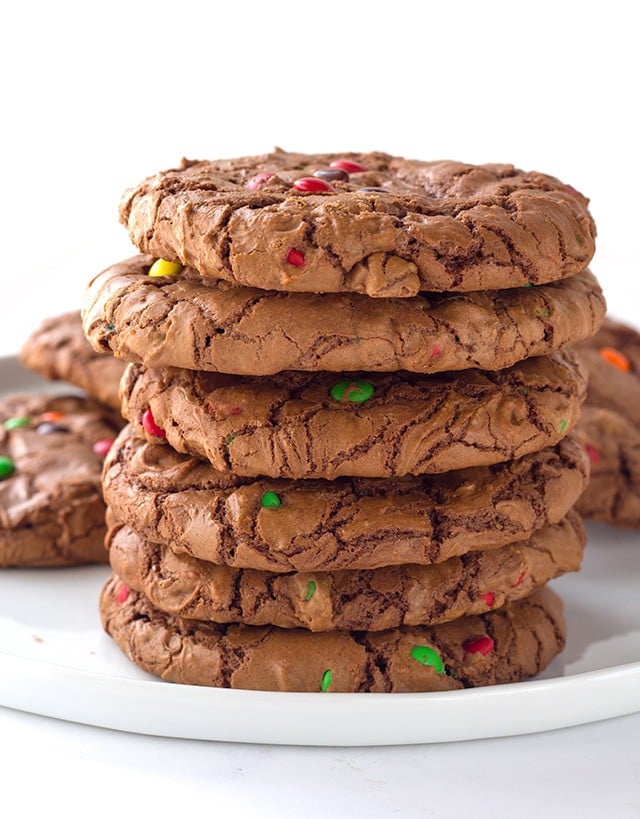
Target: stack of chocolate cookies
x: 349, y: 464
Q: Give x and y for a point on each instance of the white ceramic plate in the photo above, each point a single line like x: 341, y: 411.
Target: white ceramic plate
x: 56, y: 661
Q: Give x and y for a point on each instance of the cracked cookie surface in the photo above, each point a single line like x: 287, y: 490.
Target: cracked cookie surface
x: 361, y: 523
x: 360, y: 600
x: 609, y: 427
x: 174, y: 321
x: 58, y: 350
x: 51, y: 507
x: 507, y: 645
x: 308, y: 425
x: 393, y: 228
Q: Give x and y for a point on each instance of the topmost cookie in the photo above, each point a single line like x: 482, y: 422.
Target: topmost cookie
x: 369, y: 223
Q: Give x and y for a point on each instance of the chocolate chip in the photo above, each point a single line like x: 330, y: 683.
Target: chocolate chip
x: 332, y: 175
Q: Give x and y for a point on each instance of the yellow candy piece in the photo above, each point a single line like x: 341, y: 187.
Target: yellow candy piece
x: 161, y: 267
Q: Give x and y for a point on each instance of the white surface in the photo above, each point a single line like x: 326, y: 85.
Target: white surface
x: 55, y: 660
x: 96, y: 96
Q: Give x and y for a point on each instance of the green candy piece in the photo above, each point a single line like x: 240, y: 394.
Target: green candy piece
x: 15, y: 423
x: 270, y: 500
x: 528, y: 284
x: 326, y: 680
x: 428, y: 656
x: 579, y: 239
x: 311, y: 589
x: 7, y: 467
x: 229, y: 439
x: 355, y: 391
x: 563, y: 424
x: 543, y: 313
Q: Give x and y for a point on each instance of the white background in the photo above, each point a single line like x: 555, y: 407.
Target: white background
x: 96, y: 96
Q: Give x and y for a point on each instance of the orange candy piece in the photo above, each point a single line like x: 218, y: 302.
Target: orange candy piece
x: 615, y: 358
x: 52, y: 417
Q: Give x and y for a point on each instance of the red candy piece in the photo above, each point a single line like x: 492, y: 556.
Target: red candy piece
x: 235, y: 410
x: 573, y: 191
x: 479, y: 645
x: 489, y: 598
x: 257, y: 181
x: 436, y: 351
x: 348, y: 166
x: 150, y: 427
x: 312, y: 185
x: 123, y: 594
x: 592, y: 452
x: 295, y: 257
x: 102, y: 447
x: 520, y: 579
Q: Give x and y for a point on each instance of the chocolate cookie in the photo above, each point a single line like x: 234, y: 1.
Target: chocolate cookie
x: 300, y: 425
x: 51, y: 457
x: 58, y: 350
x: 613, y: 445
x: 177, y: 322
x: 369, y: 223
x: 506, y: 645
x: 367, y: 600
x: 612, y: 357
x: 283, y: 525
x: 610, y: 425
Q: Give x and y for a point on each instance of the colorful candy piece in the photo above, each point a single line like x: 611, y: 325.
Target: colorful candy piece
x: 593, y: 453
x: 325, y: 684
x: 348, y: 165
x: 489, y: 598
x: 310, y: 184
x: 162, y: 267
x: 270, y: 500
x: 573, y: 191
x: 563, y: 424
x: 428, y: 656
x: 16, y: 423
x: 49, y: 429
x: 257, y: 181
x: 311, y: 590
x: 149, y: 425
x: 520, y: 579
x: 295, y: 257
x: 357, y: 392
x: 123, y: 594
x: 436, y: 351
x: 479, y: 645
x: 7, y: 467
x: 615, y: 358
x: 52, y: 416
x: 332, y: 174
x: 102, y: 447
